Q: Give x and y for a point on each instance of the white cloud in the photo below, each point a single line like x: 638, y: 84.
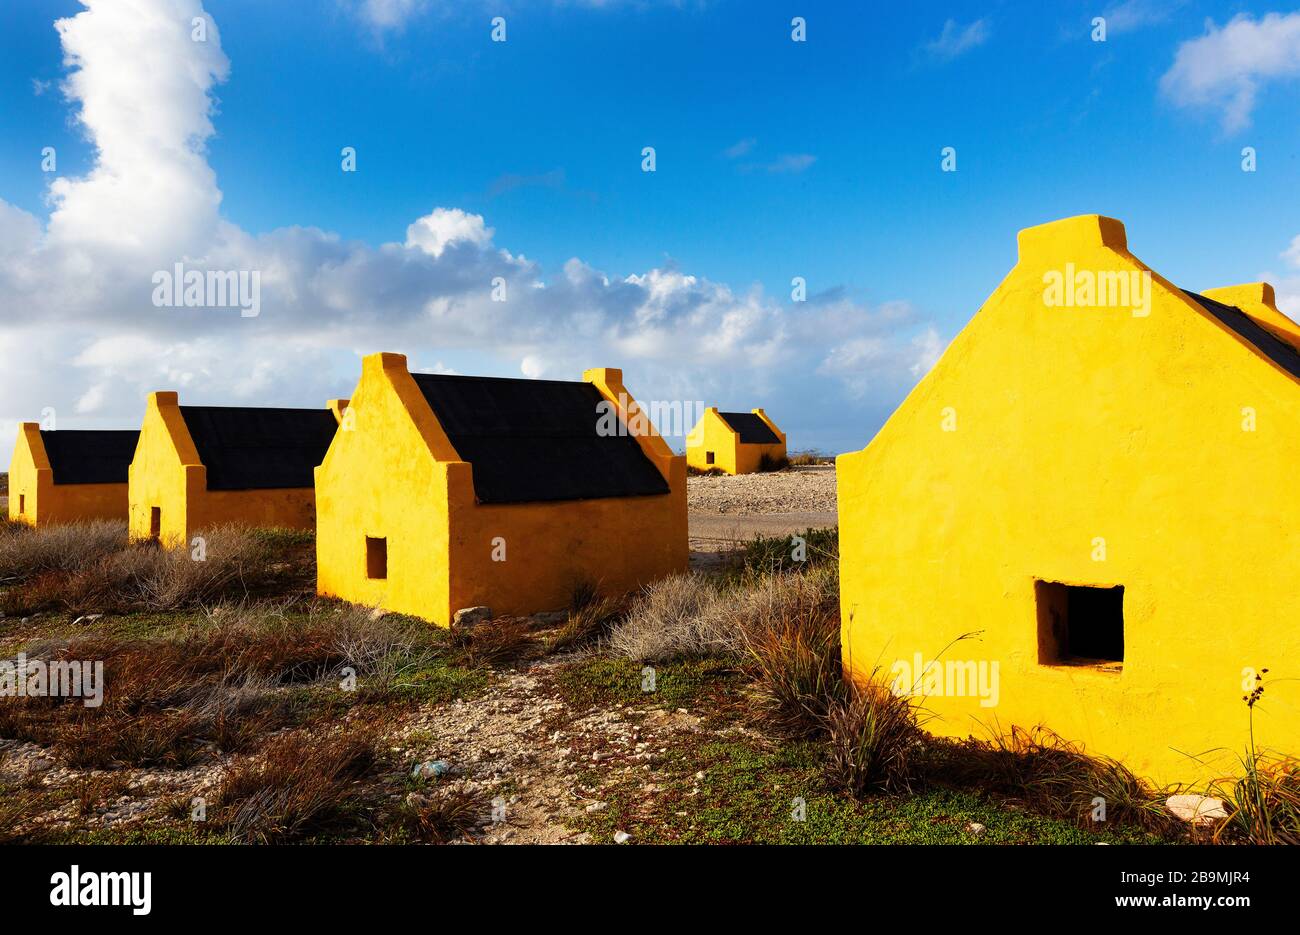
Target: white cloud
x: 1287, y: 284
x: 445, y: 227
x: 90, y: 343
x: 1136, y: 14
x: 1226, y: 68
x: 389, y: 14
x: 793, y: 163
x: 956, y: 39
x: 739, y: 148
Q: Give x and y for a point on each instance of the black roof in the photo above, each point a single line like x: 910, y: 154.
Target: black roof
x: 256, y: 449
x: 1271, y: 346
x: 752, y: 429
x: 534, y: 440
x: 90, y: 456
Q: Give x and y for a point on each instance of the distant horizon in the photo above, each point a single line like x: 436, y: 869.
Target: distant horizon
x: 732, y: 204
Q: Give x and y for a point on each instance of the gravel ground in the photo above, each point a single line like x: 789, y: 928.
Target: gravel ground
x: 796, y: 490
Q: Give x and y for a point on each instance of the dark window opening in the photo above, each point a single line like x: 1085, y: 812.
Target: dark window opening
x: 708, y: 457
x: 155, y: 523
x: 22, y: 504
x: 376, y: 557
x: 1080, y: 625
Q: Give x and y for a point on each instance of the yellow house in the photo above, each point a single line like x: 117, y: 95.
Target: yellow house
x: 1099, y: 477
x: 70, y: 475
x: 200, y: 466
x: 734, y: 442
x: 445, y: 492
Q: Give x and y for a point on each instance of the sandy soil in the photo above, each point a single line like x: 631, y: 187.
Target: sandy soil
x: 796, y: 490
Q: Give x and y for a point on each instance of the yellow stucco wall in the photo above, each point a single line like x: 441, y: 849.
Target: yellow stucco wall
x: 414, y: 492
x: 712, y: 435
x: 167, y: 474
x: 35, y: 499
x: 1089, y: 446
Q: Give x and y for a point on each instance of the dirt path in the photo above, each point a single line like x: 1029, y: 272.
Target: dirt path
x: 538, y: 761
x: 727, y: 527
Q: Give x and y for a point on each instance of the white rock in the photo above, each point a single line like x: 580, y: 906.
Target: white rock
x: 1197, y: 809
x: 975, y: 828
x: 621, y: 837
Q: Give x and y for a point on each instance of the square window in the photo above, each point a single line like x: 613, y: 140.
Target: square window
x: 708, y: 457
x: 376, y: 557
x: 155, y: 523
x: 1080, y: 625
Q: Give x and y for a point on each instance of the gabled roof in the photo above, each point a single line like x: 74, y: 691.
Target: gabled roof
x: 1264, y: 341
x: 752, y: 429
x: 536, y: 440
x: 254, y: 449
x: 89, y: 456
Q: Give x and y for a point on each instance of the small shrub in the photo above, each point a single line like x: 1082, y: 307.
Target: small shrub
x: 790, y: 628
x: 777, y: 553
x: 692, y: 471
x: 768, y: 463
x: 809, y: 458
x: 876, y: 742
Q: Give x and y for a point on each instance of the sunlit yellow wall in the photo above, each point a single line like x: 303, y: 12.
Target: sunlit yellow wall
x: 1044, y: 433
x: 713, y: 434
x: 43, y: 502
x: 385, y: 476
x: 415, y: 492
x: 168, y: 474
x: 30, y: 477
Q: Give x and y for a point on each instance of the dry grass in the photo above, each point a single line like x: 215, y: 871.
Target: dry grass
x: 790, y: 629
x: 493, y: 642
x: 221, y: 685
x: 809, y: 458
x: 439, y: 818
x: 591, y: 619
x: 1264, y: 803
x: 676, y: 616
x: 26, y: 552
x: 90, y: 568
x: 1055, y: 777
x: 299, y: 786
x: 768, y: 463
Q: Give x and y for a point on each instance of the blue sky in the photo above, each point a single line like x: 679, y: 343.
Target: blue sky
x: 775, y: 158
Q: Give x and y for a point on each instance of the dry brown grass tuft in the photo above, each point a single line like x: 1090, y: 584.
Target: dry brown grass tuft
x: 876, y: 741
x: 299, y: 786
x: 1053, y: 776
x: 591, y: 618
x: 493, y: 642
x: 438, y: 818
